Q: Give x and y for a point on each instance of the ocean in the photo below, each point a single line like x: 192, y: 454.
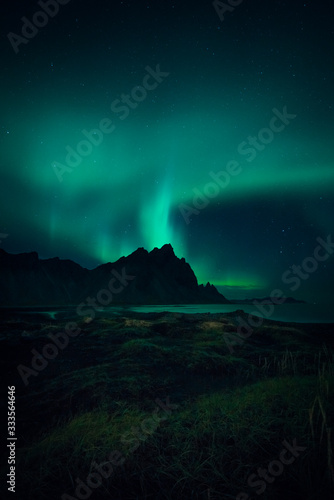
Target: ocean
x: 299, y: 313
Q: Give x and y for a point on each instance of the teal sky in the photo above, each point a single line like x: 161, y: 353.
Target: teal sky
x: 224, y: 80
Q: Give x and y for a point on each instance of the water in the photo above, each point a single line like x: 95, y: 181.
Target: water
x: 299, y: 313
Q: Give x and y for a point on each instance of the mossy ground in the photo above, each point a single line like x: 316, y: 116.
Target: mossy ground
x: 234, y: 407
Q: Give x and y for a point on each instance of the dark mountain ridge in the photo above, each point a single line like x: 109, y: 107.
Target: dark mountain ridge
x: 267, y: 300
x: 156, y: 277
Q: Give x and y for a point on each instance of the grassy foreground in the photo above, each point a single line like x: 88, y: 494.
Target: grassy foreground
x: 163, y: 406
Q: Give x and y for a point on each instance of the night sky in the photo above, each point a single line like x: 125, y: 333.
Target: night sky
x: 182, y: 97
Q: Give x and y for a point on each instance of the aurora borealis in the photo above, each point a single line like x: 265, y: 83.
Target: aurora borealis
x: 222, y: 81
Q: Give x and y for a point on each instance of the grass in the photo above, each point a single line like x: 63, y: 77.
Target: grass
x: 233, y: 414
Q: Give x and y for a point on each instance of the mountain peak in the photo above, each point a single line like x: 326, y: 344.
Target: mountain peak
x: 140, y: 251
x: 157, y: 277
x: 165, y: 249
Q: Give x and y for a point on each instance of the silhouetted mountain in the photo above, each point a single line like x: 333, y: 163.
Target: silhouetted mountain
x: 156, y: 277
x: 267, y: 300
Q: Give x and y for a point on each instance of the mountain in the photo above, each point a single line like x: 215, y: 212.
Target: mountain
x: 267, y: 300
x: 156, y: 277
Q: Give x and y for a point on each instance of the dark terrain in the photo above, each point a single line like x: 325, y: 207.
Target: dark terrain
x: 237, y: 401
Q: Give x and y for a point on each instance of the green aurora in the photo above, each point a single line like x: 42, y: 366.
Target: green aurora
x: 224, y: 81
